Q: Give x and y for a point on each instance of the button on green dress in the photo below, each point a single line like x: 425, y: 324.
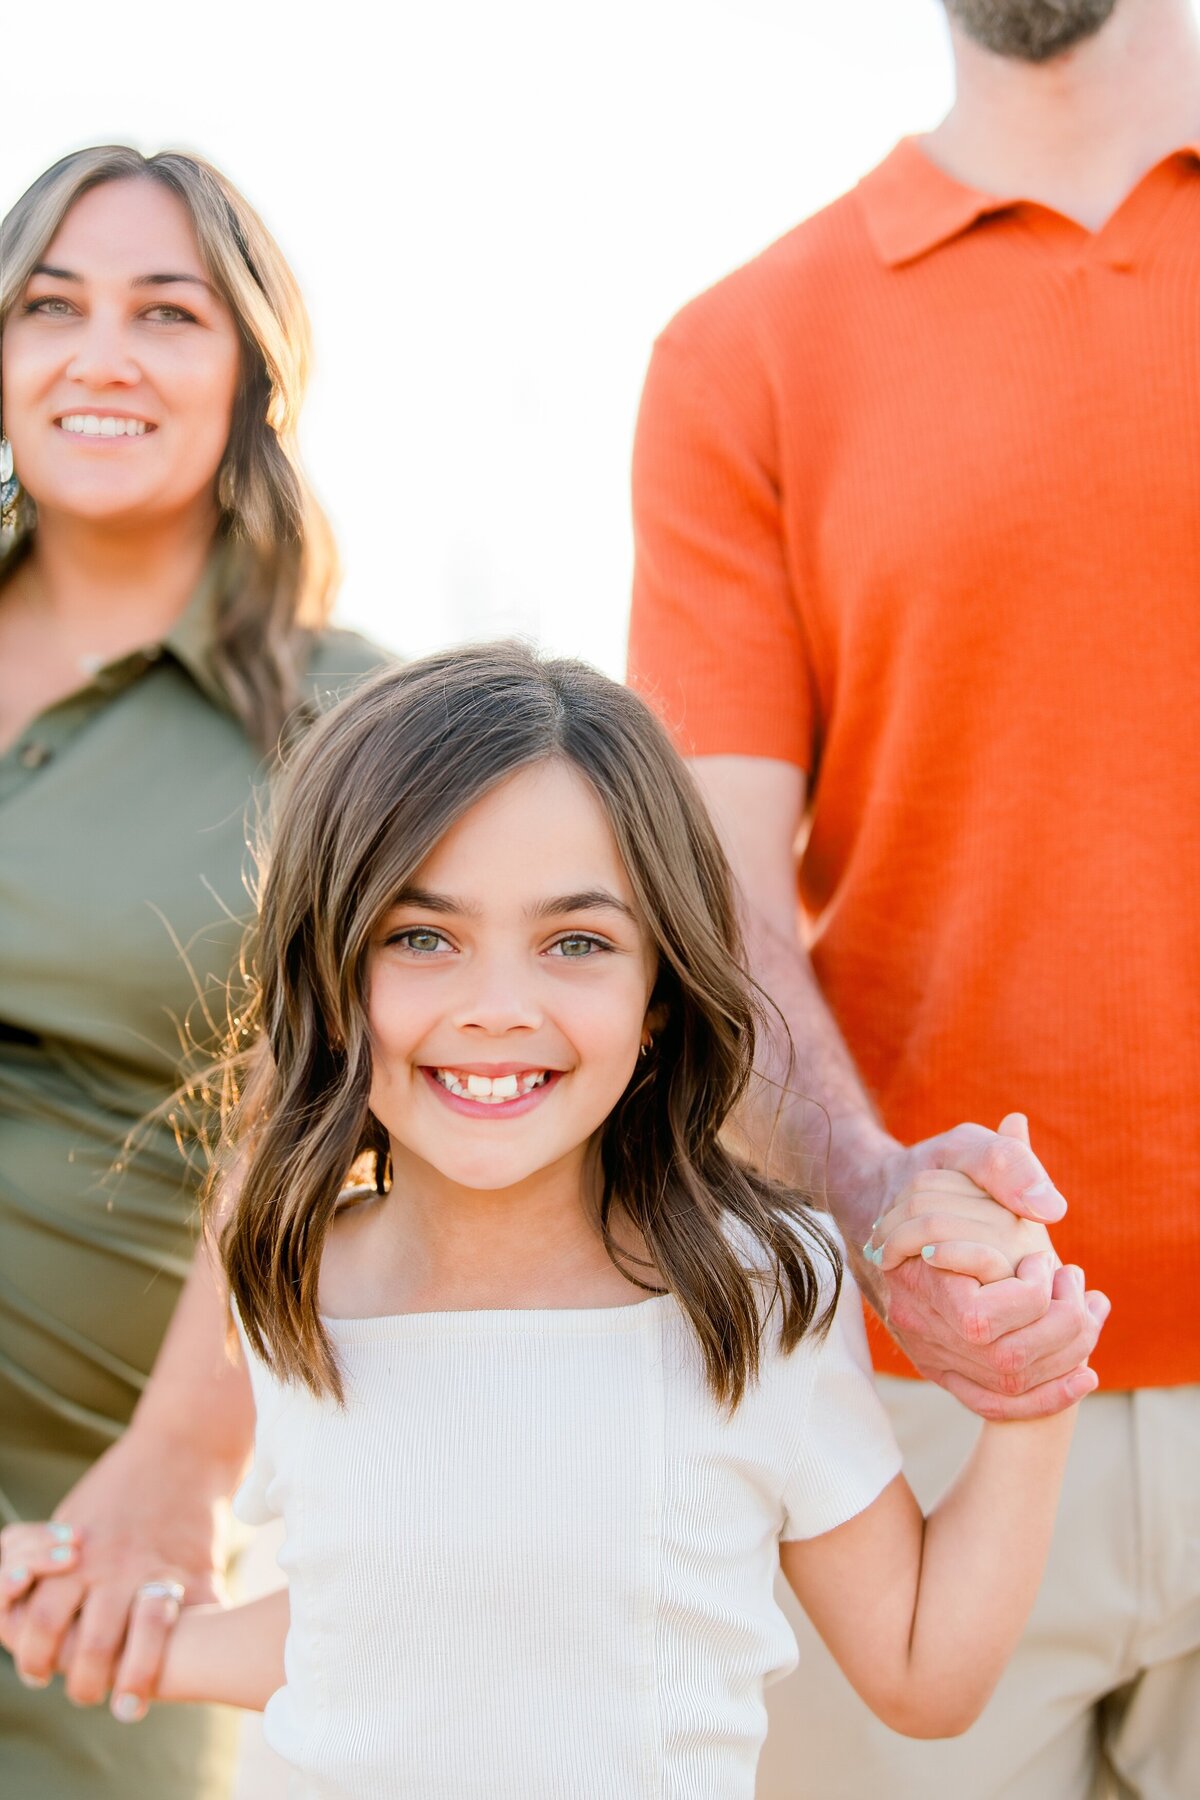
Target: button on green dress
x: 124, y: 815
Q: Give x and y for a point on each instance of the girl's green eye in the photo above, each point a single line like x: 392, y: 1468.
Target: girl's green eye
x: 419, y: 938
x: 577, y: 947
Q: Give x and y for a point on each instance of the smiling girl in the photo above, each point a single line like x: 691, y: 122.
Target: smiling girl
x: 545, y: 1407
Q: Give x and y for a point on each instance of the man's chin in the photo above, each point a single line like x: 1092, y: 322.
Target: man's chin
x: 1033, y: 31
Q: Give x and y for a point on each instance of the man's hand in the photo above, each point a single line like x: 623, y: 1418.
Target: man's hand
x: 148, y: 1510
x: 1017, y: 1347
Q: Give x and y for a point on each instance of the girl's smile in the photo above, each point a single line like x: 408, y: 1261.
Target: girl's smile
x: 496, y: 1091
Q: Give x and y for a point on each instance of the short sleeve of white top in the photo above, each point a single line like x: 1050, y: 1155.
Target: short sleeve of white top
x: 531, y: 1557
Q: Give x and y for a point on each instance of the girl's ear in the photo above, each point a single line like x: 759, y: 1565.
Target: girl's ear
x: 652, y: 1024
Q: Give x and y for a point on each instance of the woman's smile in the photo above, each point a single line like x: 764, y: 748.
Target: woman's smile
x: 104, y: 427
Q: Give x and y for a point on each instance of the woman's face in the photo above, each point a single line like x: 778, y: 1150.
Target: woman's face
x: 121, y: 364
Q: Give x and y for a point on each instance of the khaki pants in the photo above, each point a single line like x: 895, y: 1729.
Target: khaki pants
x: 1102, y: 1698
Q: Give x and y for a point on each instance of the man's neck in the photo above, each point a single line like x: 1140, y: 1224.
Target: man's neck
x: 1078, y: 132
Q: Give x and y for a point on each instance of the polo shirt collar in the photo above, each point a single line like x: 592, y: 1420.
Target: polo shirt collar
x: 911, y: 206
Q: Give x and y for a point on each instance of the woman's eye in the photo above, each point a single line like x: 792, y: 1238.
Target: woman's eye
x: 169, y: 315
x: 50, y: 308
x: 419, y: 938
x: 577, y: 948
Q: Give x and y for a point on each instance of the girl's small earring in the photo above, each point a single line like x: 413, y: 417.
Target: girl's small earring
x: 644, y: 1049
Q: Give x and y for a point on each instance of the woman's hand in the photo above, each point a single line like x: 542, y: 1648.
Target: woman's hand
x: 146, y: 1512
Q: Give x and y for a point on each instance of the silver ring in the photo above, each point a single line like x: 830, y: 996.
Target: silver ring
x: 162, y: 1590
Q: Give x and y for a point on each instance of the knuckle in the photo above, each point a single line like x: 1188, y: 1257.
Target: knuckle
x: 976, y: 1326
x: 42, y: 1614
x: 97, y: 1642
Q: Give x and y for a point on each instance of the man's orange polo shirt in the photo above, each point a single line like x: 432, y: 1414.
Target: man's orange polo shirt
x: 917, y: 508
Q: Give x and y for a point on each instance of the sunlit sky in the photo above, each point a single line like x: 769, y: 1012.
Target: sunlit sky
x: 492, y: 206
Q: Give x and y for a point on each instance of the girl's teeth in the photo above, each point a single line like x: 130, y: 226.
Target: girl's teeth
x: 490, y: 1088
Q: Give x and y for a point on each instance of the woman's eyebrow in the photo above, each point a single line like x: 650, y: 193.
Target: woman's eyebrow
x: 167, y: 280
x: 164, y: 280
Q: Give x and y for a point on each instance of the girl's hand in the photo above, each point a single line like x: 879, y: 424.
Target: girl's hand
x: 944, y: 1217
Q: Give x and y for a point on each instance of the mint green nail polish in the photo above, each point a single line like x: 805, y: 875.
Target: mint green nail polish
x: 17, y: 1576
x: 868, y: 1252
x: 63, y: 1533
x: 128, y: 1708
x: 929, y: 1251
x: 62, y: 1554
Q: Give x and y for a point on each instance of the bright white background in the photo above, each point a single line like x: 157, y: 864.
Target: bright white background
x: 492, y: 206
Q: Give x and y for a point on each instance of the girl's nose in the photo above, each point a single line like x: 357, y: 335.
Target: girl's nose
x: 498, y: 1001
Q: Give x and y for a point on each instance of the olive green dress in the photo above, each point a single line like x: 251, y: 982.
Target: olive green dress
x: 123, y: 865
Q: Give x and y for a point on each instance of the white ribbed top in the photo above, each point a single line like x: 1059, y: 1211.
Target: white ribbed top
x: 532, y: 1560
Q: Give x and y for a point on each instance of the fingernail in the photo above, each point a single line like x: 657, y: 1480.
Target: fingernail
x: 929, y: 1251
x: 63, y: 1554
x: 1082, y: 1384
x: 868, y: 1251
x: 1043, y: 1199
x: 875, y: 1226
x: 16, y: 1576
x: 128, y: 1708
x: 33, y: 1681
x: 64, y: 1533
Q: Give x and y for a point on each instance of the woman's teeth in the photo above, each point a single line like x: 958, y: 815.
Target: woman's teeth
x: 92, y: 425
x: 490, y: 1088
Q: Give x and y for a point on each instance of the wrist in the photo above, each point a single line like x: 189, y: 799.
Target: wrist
x: 861, y: 1175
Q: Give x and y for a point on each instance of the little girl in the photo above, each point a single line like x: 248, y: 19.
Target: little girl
x: 545, y: 1407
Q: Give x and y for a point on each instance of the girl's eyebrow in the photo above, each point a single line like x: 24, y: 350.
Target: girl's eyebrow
x: 587, y: 900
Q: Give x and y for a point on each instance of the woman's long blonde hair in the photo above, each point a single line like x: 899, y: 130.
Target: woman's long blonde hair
x: 282, y: 567
x: 373, y: 789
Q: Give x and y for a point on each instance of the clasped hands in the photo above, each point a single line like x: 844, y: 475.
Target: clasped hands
x: 961, y: 1267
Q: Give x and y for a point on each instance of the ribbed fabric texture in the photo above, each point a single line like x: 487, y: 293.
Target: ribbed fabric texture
x: 917, y: 508
x: 532, y: 1559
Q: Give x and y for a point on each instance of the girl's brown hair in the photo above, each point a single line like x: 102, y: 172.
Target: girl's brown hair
x: 281, y: 568
x: 372, y: 790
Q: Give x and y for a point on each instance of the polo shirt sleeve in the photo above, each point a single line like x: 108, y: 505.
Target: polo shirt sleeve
x: 717, y: 643
x: 847, y: 1452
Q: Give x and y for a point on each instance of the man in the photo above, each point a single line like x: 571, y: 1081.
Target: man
x: 917, y: 509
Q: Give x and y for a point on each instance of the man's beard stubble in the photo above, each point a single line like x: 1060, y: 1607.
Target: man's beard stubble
x: 1033, y: 30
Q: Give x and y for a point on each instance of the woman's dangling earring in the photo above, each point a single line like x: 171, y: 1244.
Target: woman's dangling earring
x: 10, y: 491
x: 227, y: 489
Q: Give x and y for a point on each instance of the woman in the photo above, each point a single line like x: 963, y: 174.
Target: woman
x: 164, y: 580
